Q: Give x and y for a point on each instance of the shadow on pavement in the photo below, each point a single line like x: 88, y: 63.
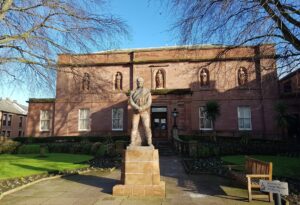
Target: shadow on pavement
x: 104, y: 184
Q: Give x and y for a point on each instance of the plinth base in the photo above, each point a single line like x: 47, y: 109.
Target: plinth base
x: 140, y: 190
x: 140, y: 173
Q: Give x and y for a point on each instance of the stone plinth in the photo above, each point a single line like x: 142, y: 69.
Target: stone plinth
x: 140, y: 173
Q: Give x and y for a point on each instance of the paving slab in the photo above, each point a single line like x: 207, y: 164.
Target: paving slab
x: 95, y: 188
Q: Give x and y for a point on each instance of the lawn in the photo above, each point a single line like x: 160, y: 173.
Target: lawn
x: 28, y: 164
x: 282, y: 166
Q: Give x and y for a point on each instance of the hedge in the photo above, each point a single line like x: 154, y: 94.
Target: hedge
x: 64, y: 139
x: 30, y: 149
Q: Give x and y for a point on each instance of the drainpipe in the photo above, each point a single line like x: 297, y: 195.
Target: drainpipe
x: 131, y: 71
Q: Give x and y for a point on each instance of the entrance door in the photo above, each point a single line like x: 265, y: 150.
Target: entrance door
x: 159, y: 122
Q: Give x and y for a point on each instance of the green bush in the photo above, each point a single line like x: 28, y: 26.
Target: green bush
x: 8, y: 147
x: 30, y: 149
x: 95, y: 147
x: 59, y: 147
x: 71, y: 148
x: 69, y: 139
x: 102, y: 150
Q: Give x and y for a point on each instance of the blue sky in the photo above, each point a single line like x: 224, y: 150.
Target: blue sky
x: 149, y: 25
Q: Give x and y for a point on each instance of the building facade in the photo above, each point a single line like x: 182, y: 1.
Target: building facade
x: 92, y: 92
x: 13, y: 118
x: 290, y: 96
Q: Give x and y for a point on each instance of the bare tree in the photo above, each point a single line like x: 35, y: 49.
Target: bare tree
x: 242, y: 22
x: 33, y: 32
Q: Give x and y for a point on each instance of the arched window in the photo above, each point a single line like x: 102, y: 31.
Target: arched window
x: 242, y: 76
x: 118, y: 81
x: 160, y: 79
x: 204, y: 77
x: 86, y: 81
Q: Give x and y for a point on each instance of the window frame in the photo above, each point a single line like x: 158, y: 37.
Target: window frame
x: 49, y: 121
x: 112, y: 119
x: 9, y: 120
x: 20, y: 122
x: 250, y: 118
x: 205, y: 118
x: 87, y: 119
x: 4, y: 119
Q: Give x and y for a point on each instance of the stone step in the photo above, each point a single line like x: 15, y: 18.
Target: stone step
x: 164, y: 147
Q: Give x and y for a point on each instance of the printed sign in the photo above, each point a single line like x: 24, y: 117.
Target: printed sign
x: 274, y: 187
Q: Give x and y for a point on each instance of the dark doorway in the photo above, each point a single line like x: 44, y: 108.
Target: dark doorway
x: 159, y: 122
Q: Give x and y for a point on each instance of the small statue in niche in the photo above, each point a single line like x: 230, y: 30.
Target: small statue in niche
x: 159, y: 79
x: 118, y: 81
x: 204, y: 81
x: 242, y: 76
x: 86, y: 81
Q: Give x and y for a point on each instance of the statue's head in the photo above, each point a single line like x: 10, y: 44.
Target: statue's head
x: 140, y: 82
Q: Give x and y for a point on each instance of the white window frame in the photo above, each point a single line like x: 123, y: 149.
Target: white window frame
x: 47, y: 119
x: 87, y: 119
x: 4, y: 119
x: 205, y: 118
x: 121, y: 118
x: 242, y: 117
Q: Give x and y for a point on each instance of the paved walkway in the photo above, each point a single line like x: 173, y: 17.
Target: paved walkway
x: 94, y: 188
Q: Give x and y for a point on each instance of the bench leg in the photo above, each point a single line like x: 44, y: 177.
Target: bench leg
x: 249, y: 189
x: 271, y: 197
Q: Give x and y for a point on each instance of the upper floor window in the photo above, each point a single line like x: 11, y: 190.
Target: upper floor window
x: 45, y: 120
x: 118, y: 81
x: 4, y: 120
x: 204, y: 122
x: 9, y: 119
x: 204, y: 77
x: 242, y: 76
x: 21, y: 122
x: 84, y: 120
x: 86, y: 81
x: 117, y: 119
x: 244, y: 118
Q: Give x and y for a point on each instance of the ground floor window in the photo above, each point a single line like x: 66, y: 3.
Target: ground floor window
x: 44, y: 120
x: 204, y: 122
x: 84, y: 120
x: 244, y: 118
x: 117, y: 119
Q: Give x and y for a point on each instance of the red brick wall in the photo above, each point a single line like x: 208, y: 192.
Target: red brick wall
x: 14, y: 128
x: 33, y: 119
x: 181, y: 68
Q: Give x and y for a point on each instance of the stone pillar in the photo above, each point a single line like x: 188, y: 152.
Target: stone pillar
x: 140, y: 173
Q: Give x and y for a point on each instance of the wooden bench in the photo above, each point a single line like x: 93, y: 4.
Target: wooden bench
x: 254, y: 171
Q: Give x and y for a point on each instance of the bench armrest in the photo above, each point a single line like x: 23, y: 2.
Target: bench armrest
x: 258, y: 176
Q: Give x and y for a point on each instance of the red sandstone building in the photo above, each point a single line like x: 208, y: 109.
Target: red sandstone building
x: 92, y: 92
x: 13, y: 118
x: 290, y: 95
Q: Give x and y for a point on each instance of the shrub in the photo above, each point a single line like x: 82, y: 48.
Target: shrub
x: 30, y: 149
x: 69, y: 139
x: 102, y: 150
x: 95, y: 147
x: 8, y: 147
x: 59, y: 147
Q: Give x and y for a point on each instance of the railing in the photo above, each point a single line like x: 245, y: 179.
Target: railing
x: 180, y: 146
x: 220, y: 147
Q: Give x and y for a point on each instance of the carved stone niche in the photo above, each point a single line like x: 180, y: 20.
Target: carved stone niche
x: 118, y: 81
x: 86, y: 82
x: 159, y: 80
x: 242, y: 76
x: 204, y: 77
